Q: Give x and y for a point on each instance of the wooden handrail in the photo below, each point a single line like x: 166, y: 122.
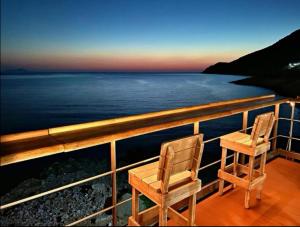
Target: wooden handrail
x: 29, y: 145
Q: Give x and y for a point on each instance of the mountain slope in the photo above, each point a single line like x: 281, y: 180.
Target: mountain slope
x: 274, y: 60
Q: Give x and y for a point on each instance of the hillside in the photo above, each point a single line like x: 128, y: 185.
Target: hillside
x: 276, y: 67
x: 272, y: 60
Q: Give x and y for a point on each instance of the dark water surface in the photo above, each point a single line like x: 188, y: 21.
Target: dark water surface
x: 31, y: 102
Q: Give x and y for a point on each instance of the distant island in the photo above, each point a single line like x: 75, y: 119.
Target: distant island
x: 276, y: 67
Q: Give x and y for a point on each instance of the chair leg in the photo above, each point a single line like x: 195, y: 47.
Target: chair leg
x: 235, y: 162
x: 221, y: 187
x: 247, y: 199
x: 250, y: 174
x: 259, y: 190
x: 163, y: 216
x: 223, y: 164
x: 192, y: 210
x: 135, y: 204
x: 261, y: 171
x: 263, y: 159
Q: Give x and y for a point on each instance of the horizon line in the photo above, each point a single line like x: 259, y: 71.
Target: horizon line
x: 11, y: 72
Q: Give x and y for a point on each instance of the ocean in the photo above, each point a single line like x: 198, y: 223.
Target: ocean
x: 31, y: 102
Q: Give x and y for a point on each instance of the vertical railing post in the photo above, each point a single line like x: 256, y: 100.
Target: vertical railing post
x: 113, y: 181
x: 245, y: 121
x: 276, y: 114
x: 196, y: 128
x: 291, y: 126
x: 244, y: 128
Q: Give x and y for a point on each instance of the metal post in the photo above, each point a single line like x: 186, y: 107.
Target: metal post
x: 113, y: 181
x: 288, y: 147
x: 245, y: 121
x: 196, y: 128
x: 276, y: 114
x: 245, y: 125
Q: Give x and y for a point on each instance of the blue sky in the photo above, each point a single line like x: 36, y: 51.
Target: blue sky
x: 139, y: 35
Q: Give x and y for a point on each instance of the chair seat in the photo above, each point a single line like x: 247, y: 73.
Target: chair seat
x: 147, y: 176
x: 144, y: 179
x: 241, y: 142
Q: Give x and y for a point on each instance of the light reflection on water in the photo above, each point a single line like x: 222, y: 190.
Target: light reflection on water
x: 30, y: 102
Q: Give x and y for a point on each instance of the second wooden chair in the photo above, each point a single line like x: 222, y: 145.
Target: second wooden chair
x: 254, y: 145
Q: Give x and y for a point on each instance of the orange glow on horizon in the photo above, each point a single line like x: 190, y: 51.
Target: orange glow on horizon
x: 121, y: 62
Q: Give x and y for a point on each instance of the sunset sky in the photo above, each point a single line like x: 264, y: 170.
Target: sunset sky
x: 140, y: 35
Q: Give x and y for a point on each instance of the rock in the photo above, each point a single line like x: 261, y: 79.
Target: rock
x: 62, y: 207
x: 99, y: 187
x: 103, y: 220
x: 124, y: 211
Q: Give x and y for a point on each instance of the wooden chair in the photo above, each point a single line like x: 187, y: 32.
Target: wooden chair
x: 252, y: 145
x: 170, y: 180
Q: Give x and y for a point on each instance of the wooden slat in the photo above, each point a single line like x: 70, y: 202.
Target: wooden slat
x: 91, y: 134
x: 239, y: 137
x: 229, y: 177
x: 245, y: 169
x: 144, y: 168
x: 147, y: 173
x: 182, y: 144
x: 162, y: 161
x: 264, y: 147
x: 262, y: 127
x: 184, y: 155
x: 257, y: 182
x: 197, y: 157
x: 183, y: 192
x: 167, y: 171
x: 182, y: 166
x: 144, y: 189
x: 234, y: 136
x: 151, y: 179
x: 183, y: 150
x: 149, y: 216
x: 237, y: 146
x: 174, y: 180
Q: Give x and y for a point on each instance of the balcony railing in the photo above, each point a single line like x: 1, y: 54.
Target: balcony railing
x: 36, y: 144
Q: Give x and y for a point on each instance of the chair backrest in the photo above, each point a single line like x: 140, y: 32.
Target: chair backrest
x: 178, y: 156
x: 262, y: 127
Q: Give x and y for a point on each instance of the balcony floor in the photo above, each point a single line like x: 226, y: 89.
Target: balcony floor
x: 280, y: 204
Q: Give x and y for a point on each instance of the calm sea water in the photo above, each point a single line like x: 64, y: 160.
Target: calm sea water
x: 30, y: 102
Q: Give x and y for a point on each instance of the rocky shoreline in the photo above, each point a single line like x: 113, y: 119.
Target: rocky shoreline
x: 283, y: 85
x: 68, y: 205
